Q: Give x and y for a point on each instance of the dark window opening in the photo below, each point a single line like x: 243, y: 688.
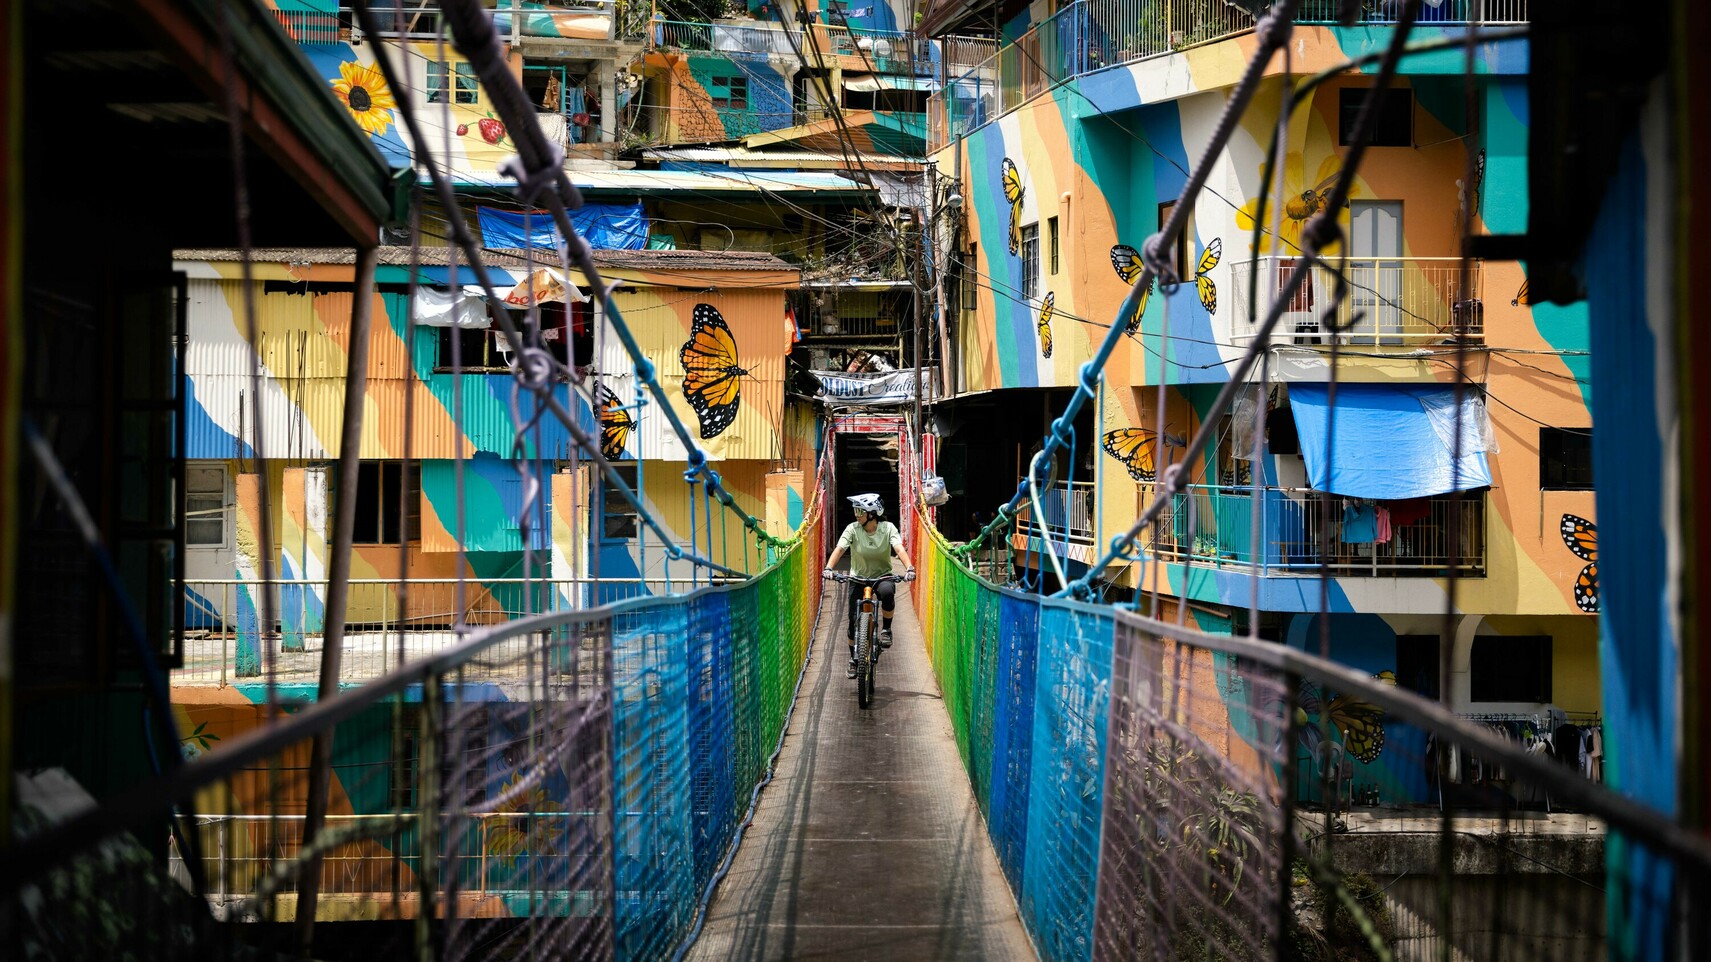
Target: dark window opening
x: 380, y: 517
x: 480, y: 351
x: 1417, y: 664
x: 620, y: 517
x: 971, y: 278
x: 1392, y: 122
x: 1281, y: 435
x: 1030, y: 261
x: 1505, y: 668
x: 1565, y: 458
x: 1052, y: 242
x: 1178, y: 250
x: 580, y: 350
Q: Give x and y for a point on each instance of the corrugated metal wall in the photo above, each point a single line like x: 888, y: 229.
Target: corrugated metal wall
x: 661, y: 319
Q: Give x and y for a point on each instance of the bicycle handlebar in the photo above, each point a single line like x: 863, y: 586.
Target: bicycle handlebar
x: 840, y: 576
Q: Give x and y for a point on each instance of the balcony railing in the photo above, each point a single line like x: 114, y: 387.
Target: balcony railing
x: 387, y: 622
x: 1389, y: 301
x: 889, y: 51
x: 1213, y: 525
x: 1067, y: 508
x: 1090, y: 35
x: 421, y: 21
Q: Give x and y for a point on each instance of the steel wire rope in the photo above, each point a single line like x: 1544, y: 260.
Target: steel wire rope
x: 1273, y: 31
x: 443, y: 185
x: 1321, y: 231
x: 536, y: 167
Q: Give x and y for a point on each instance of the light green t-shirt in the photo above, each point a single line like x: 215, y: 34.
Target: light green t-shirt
x: 870, y: 553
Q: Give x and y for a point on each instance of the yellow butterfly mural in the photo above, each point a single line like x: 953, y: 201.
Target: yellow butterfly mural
x: 615, y: 425
x: 1046, y: 324
x: 1126, y: 261
x: 1135, y: 447
x: 711, y: 371
x: 1202, y: 282
x: 1522, y: 298
x: 1361, y: 723
x: 1012, y: 180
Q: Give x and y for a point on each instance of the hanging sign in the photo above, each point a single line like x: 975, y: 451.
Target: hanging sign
x: 888, y: 389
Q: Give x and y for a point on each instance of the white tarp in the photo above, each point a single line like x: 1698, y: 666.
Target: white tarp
x: 460, y: 308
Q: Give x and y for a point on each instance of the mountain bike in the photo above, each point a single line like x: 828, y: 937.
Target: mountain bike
x: 867, y: 632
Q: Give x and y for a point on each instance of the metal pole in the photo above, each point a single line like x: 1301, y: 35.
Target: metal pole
x: 338, y: 584
x: 915, y: 292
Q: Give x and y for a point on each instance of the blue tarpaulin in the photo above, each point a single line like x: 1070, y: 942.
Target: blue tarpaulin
x: 618, y: 227
x: 1393, y: 441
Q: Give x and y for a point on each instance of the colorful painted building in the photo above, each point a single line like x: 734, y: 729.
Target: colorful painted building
x: 1070, y: 144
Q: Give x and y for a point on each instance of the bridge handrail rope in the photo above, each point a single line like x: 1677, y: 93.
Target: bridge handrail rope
x: 1621, y: 812
x: 33, y: 855
x: 539, y: 170
x: 1273, y: 32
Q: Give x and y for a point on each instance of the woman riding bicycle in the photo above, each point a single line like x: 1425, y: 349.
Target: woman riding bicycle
x: 870, y: 540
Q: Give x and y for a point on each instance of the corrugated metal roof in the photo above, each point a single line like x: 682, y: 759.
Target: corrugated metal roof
x: 638, y: 182
x: 666, y: 260
x: 783, y: 159
x: 395, y: 256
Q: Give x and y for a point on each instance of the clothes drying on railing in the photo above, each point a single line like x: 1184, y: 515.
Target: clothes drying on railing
x: 1577, y: 742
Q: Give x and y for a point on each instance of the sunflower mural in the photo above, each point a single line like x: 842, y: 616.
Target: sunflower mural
x: 363, y: 91
x: 1301, y: 200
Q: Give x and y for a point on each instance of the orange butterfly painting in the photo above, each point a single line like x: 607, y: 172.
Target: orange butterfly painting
x: 711, y: 372
x: 615, y: 425
x: 1581, y: 536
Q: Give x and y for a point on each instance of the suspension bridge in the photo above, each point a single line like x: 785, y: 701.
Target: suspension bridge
x: 686, y: 776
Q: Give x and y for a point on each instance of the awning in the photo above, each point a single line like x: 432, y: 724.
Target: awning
x: 1393, y: 441
x: 871, y: 83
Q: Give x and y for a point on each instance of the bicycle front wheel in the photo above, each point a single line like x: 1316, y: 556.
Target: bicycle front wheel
x: 864, y: 659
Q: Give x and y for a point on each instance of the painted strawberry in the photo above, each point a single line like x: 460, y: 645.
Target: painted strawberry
x: 492, y: 130
x: 462, y: 129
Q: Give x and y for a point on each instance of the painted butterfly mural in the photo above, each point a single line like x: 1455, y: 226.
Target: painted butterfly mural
x: 1202, y: 282
x: 1135, y: 447
x: 1522, y: 297
x: 1046, y: 324
x: 1581, y: 536
x: 1126, y: 261
x: 615, y: 425
x: 1013, y: 192
x: 711, y: 372
x: 1361, y: 723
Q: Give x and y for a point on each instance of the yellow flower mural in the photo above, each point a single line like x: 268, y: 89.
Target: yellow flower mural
x: 364, y: 92
x: 1300, y: 203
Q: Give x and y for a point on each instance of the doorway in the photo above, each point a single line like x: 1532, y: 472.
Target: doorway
x: 1375, y: 269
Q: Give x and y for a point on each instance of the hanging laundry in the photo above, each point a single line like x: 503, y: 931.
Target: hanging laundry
x: 1381, y: 530
x: 1360, y: 522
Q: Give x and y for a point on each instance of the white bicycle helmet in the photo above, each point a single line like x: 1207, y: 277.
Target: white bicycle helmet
x: 869, y: 503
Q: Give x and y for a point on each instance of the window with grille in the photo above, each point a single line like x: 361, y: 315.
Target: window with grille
x: 205, y: 505
x: 461, y: 75
x: 730, y: 92
x: 620, y: 516
x: 388, y: 503
x: 1030, y: 261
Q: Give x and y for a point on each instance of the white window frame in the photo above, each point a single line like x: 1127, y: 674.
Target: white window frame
x: 203, y: 503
